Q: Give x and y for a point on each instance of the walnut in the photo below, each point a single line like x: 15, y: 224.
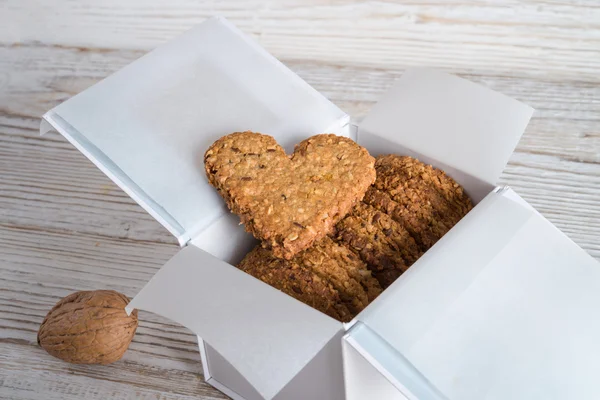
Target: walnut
x: 88, y: 327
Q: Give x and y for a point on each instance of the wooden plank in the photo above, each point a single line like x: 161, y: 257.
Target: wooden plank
x: 64, y: 226
x: 548, y: 38
x: 126, y: 379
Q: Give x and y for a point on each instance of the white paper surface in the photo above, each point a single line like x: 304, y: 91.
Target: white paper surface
x: 457, y: 123
x: 322, y: 378
x: 148, y: 125
x: 230, y: 379
x: 226, y: 239
x: 374, y: 369
x: 504, y: 307
x: 265, y: 334
x: 363, y: 381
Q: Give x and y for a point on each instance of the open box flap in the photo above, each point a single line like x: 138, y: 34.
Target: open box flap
x: 265, y: 334
x: 457, y: 123
x: 148, y: 125
x: 374, y: 369
x: 504, y: 306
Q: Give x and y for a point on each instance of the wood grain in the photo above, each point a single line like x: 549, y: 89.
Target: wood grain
x: 65, y: 227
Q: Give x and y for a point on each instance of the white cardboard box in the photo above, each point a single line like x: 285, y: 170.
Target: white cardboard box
x: 503, y: 307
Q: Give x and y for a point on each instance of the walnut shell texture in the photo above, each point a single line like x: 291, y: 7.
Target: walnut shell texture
x: 88, y: 327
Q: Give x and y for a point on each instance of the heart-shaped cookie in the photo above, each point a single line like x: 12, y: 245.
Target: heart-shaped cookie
x: 288, y: 202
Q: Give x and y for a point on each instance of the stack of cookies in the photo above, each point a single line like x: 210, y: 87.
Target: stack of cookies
x: 336, y: 226
x: 327, y: 276
x: 407, y: 210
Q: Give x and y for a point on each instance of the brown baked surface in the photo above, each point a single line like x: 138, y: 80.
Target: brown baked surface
x: 398, y: 174
x: 327, y: 277
x: 424, y: 230
x: 409, y: 199
x: 409, y: 207
x: 289, y: 202
x: 426, y: 201
x: 383, y: 244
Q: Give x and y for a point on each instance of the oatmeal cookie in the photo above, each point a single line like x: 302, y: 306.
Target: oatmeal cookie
x: 289, y: 202
x: 383, y: 244
x: 327, y: 277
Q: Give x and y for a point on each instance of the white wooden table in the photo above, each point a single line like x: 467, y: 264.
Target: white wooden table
x: 65, y: 227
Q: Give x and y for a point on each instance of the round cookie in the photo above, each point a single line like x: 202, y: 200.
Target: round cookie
x: 326, y: 276
x: 422, y: 229
x: 400, y: 178
x: 448, y: 198
x: 382, y: 243
x: 348, y: 274
x: 295, y: 281
x: 445, y: 185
